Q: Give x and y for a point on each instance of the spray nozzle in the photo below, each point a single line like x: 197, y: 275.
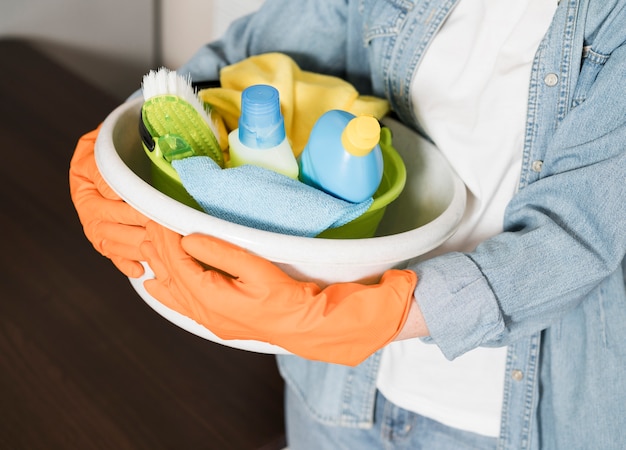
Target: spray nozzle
x: 261, y: 124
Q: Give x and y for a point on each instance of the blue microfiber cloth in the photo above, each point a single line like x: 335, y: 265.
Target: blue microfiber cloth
x: 263, y: 199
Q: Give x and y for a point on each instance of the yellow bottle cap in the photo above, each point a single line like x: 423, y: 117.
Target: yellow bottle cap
x: 361, y: 135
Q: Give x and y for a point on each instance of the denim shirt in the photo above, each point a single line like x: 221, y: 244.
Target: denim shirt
x: 551, y: 286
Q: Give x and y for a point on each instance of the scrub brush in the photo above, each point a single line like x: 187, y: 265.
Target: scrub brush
x: 174, y: 122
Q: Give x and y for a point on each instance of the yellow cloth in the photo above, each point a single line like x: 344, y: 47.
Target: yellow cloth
x: 304, y: 96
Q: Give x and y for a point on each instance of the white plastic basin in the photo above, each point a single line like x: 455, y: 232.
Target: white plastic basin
x: 425, y: 215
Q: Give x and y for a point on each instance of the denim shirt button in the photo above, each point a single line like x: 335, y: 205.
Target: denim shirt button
x: 551, y: 79
x: 517, y: 375
x: 537, y: 165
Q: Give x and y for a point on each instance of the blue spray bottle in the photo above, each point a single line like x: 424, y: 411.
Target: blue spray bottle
x: 343, y: 157
x: 260, y: 139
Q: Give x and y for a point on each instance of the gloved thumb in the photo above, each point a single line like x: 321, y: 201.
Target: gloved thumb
x: 232, y: 259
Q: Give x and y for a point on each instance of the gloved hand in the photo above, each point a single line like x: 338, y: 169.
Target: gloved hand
x: 243, y: 296
x: 113, y: 227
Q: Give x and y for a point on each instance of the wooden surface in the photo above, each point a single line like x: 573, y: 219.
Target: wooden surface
x: 84, y: 362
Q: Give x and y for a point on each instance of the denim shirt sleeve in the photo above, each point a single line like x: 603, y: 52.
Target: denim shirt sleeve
x: 312, y: 33
x: 565, y: 230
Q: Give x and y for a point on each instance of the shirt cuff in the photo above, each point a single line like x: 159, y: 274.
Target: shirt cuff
x: 458, y: 305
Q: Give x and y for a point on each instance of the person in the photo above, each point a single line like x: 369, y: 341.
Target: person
x: 510, y: 335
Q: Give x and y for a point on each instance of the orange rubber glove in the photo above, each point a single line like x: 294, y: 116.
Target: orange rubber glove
x: 343, y: 323
x: 113, y: 227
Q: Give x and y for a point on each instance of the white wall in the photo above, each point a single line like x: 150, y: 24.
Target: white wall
x: 189, y: 24
x: 109, y: 42
x: 114, y: 43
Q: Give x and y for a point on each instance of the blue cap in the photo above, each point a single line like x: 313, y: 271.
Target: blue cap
x: 261, y: 124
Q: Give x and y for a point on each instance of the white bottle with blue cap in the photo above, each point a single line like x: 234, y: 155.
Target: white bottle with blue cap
x: 260, y: 139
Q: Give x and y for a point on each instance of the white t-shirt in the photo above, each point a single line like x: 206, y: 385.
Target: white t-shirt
x: 470, y: 95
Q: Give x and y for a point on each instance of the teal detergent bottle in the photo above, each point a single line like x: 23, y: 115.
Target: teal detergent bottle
x: 343, y: 156
x: 260, y: 139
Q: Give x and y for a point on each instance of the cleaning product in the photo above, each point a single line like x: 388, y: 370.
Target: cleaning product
x: 174, y: 123
x: 260, y: 139
x: 343, y: 156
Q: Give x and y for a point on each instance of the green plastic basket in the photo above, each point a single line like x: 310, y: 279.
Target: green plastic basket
x: 166, y: 180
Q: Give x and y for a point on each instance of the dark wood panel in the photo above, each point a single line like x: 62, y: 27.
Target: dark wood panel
x: 84, y: 362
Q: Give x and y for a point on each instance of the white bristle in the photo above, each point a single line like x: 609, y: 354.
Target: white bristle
x: 164, y: 81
